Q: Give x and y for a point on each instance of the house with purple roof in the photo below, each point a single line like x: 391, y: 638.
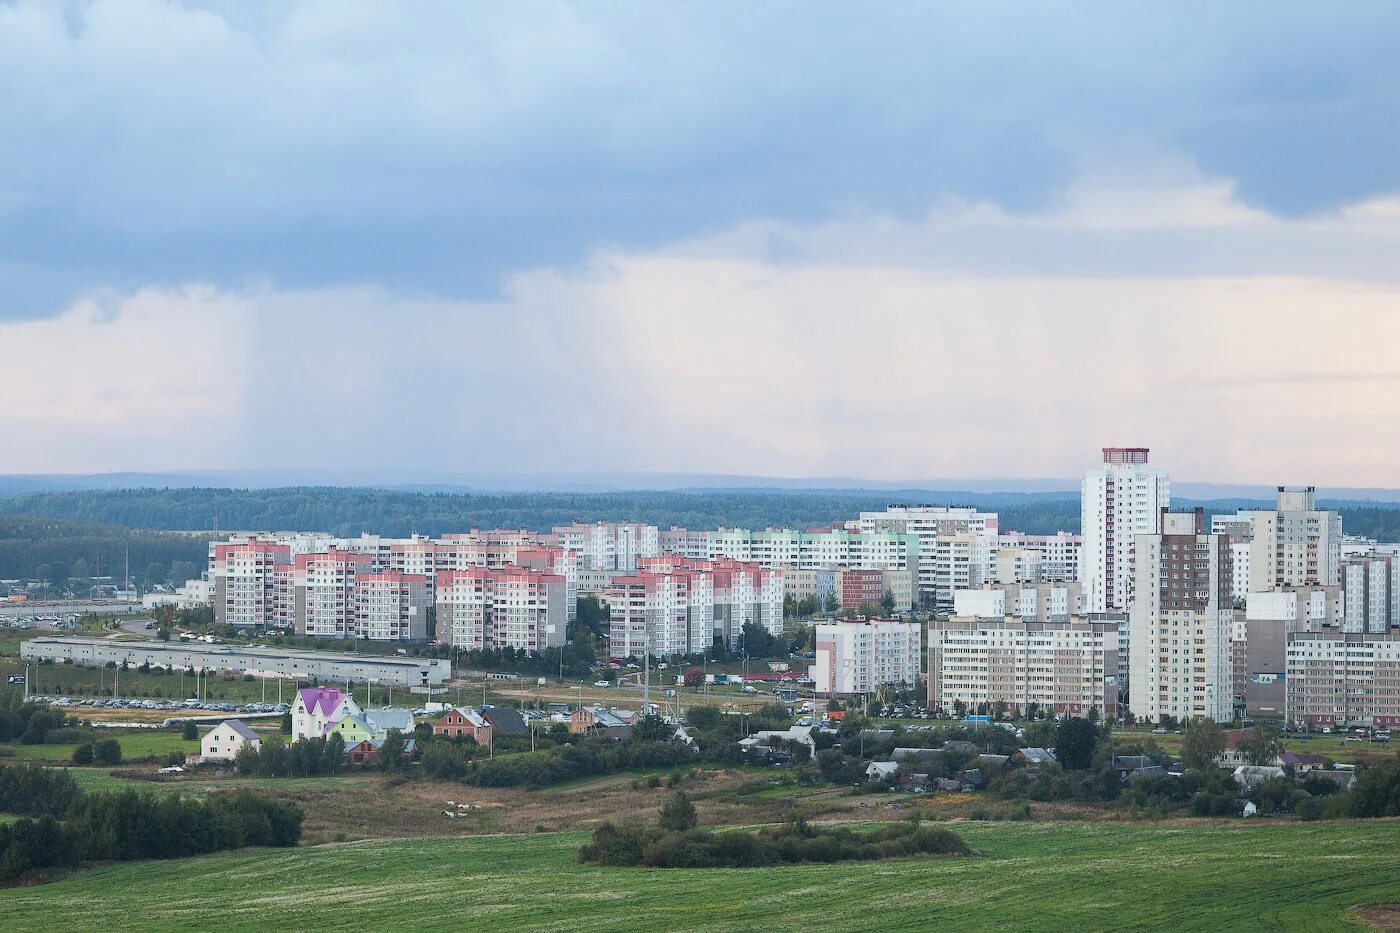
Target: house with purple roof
x: 318, y: 709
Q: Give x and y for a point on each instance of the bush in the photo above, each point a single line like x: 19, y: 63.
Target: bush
x: 189, y: 731
x: 82, y: 755
x: 678, y: 815
x: 107, y: 752
x: 791, y: 843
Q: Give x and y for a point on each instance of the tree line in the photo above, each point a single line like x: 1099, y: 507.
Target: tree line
x: 64, y: 827
x: 349, y: 511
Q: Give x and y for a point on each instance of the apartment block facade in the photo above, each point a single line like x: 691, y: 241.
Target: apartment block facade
x: 501, y: 607
x: 857, y: 656
x: 1343, y: 679
x: 1180, y: 625
x: 1122, y: 499
x: 1069, y: 665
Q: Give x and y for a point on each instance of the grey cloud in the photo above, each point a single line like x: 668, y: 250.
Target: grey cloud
x: 440, y: 146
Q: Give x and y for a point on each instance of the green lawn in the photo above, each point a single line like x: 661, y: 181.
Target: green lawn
x: 147, y: 743
x: 1080, y: 876
x: 101, y: 779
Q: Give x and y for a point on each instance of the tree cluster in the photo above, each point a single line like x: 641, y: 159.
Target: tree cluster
x: 676, y: 843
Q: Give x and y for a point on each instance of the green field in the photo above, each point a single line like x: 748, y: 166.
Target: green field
x: 149, y: 743
x: 1080, y: 876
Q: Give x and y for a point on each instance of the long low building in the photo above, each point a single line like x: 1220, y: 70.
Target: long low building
x: 326, y: 666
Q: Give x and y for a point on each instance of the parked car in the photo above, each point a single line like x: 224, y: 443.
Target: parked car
x: 1159, y: 731
x: 601, y: 683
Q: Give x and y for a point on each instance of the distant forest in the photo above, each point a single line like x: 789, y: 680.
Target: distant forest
x: 55, y: 549
x: 99, y: 526
x: 349, y: 511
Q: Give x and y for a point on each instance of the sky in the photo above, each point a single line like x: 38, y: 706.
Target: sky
x: 880, y: 240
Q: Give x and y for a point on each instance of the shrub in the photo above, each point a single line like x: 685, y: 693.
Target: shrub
x: 189, y: 731
x: 678, y: 815
x: 788, y: 844
x: 107, y: 752
x: 82, y: 755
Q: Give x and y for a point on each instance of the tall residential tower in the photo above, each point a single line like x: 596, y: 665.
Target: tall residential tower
x: 1117, y: 502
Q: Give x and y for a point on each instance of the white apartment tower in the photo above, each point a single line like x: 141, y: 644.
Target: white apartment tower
x: 1293, y: 544
x: 1121, y: 500
x: 1179, y: 629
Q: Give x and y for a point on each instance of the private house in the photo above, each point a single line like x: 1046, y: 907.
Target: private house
x: 684, y: 737
x: 991, y: 765
x: 1232, y: 757
x: 881, y: 770
x: 1033, y: 757
x: 875, y: 735
x: 226, y: 740
x: 801, y: 735
x: 368, y: 751
x: 597, y: 721
x: 1302, y: 762
x: 961, y: 746
x: 382, y: 720
x: 505, y: 720
x: 916, y: 783
x: 464, y: 722
x: 316, y: 709
x: 1136, y: 766
x: 354, y: 729
x: 911, y: 755
x: 1249, y: 776
x: 1344, y: 780
x: 972, y: 779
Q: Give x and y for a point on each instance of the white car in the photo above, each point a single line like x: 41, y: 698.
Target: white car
x: 601, y: 683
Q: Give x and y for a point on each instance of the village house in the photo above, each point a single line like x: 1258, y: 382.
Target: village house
x: 505, y: 720
x: 382, y: 720
x: 354, y: 729
x: 800, y: 735
x: 226, y: 740
x: 1033, y: 757
x: 316, y: 709
x: 1250, y: 776
x: 1136, y: 766
x: 595, y: 720
x: 1302, y: 762
x: 368, y: 751
x: 464, y: 722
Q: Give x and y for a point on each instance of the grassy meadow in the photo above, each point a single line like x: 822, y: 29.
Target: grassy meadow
x: 1082, y: 876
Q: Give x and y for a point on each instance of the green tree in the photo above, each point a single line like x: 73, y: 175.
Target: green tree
x: 887, y: 602
x: 1261, y: 745
x: 189, y: 731
x: 82, y: 755
x: 107, y: 752
x: 1201, y: 744
x: 391, y: 753
x: 1074, y: 743
x: 678, y: 815
x: 704, y: 718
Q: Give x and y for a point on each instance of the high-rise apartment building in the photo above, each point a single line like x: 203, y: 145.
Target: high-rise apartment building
x: 323, y: 592
x: 1064, y: 664
x: 1293, y: 544
x: 391, y: 605
x: 956, y: 544
x: 250, y: 582
x: 856, y: 656
x: 1117, y: 502
x: 609, y: 545
x: 1371, y: 588
x: 500, y: 607
x: 1180, y: 661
